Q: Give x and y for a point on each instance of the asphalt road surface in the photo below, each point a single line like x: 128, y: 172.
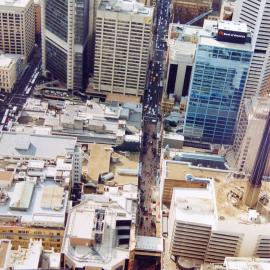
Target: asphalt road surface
x: 17, y: 97
x: 149, y: 155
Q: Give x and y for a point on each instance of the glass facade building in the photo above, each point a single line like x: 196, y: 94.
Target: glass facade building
x: 215, y: 94
x: 65, y: 41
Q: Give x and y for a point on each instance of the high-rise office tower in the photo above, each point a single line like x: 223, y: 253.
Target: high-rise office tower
x: 65, y: 41
x: 123, y: 42
x: 17, y: 27
x: 219, y: 75
x: 256, y: 15
x: 249, y: 132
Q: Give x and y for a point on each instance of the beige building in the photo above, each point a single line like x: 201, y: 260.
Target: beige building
x: 7, y: 73
x: 17, y: 27
x: 209, y: 223
x: 123, y: 41
x: 186, y: 10
x: 249, y: 133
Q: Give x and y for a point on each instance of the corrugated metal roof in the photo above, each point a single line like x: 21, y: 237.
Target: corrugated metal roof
x: 22, y: 195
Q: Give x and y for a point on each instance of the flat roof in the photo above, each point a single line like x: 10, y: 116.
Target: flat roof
x: 149, y: 243
x: 6, y: 177
x: 193, y: 204
x: 33, y: 145
x: 52, y: 197
x: 106, y: 254
x: 239, y: 263
x: 99, y: 161
x: 21, y: 195
x: 223, y: 183
x: 5, y: 61
x: 122, y: 98
x: 126, y: 6
x: 129, y: 162
x: 35, y: 213
x: 26, y: 258
x: 14, y: 3
x: 233, y: 26
x: 83, y: 223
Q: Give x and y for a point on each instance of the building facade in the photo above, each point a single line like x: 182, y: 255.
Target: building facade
x: 98, y: 223
x: 37, y: 21
x: 218, y: 80
x: 65, y: 41
x: 180, y: 58
x: 249, y: 132
x: 123, y: 41
x: 7, y: 73
x: 17, y: 27
x: 207, y: 226
x: 256, y: 16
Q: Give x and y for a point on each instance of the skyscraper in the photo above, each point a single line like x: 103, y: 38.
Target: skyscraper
x: 256, y: 15
x: 65, y: 41
x: 17, y: 27
x: 249, y: 132
x: 123, y: 41
x: 220, y: 70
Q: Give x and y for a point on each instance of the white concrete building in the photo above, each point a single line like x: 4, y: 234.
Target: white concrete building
x: 17, y: 27
x: 256, y: 15
x: 7, y: 73
x: 203, y: 227
x: 123, y: 42
x: 181, y: 54
x: 251, y: 123
x: 98, y: 234
x: 209, y: 221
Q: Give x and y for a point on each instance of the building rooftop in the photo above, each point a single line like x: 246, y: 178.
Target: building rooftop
x: 238, y: 263
x: 126, y: 6
x: 193, y: 204
x: 183, y: 38
x: 258, y: 107
x: 26, y: 258
x: 233, y: 26
x: 99, y: 160
x: 225, y: 186
x: 149, y: 243
x: 37, y: 195
x: 33, y: 145
x: 97, y: 243
x: 15, y: 3
x: 5, y: 61
x: 202, y: 160
x: 91, y: 122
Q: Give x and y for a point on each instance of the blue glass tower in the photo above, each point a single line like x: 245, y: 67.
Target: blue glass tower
x: 218, y: 81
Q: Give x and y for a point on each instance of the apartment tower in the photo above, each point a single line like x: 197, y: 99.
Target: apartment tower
x: 123, y: 42
x: 65, y: 41
x: 17, y: 27
x: 256, y: 15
